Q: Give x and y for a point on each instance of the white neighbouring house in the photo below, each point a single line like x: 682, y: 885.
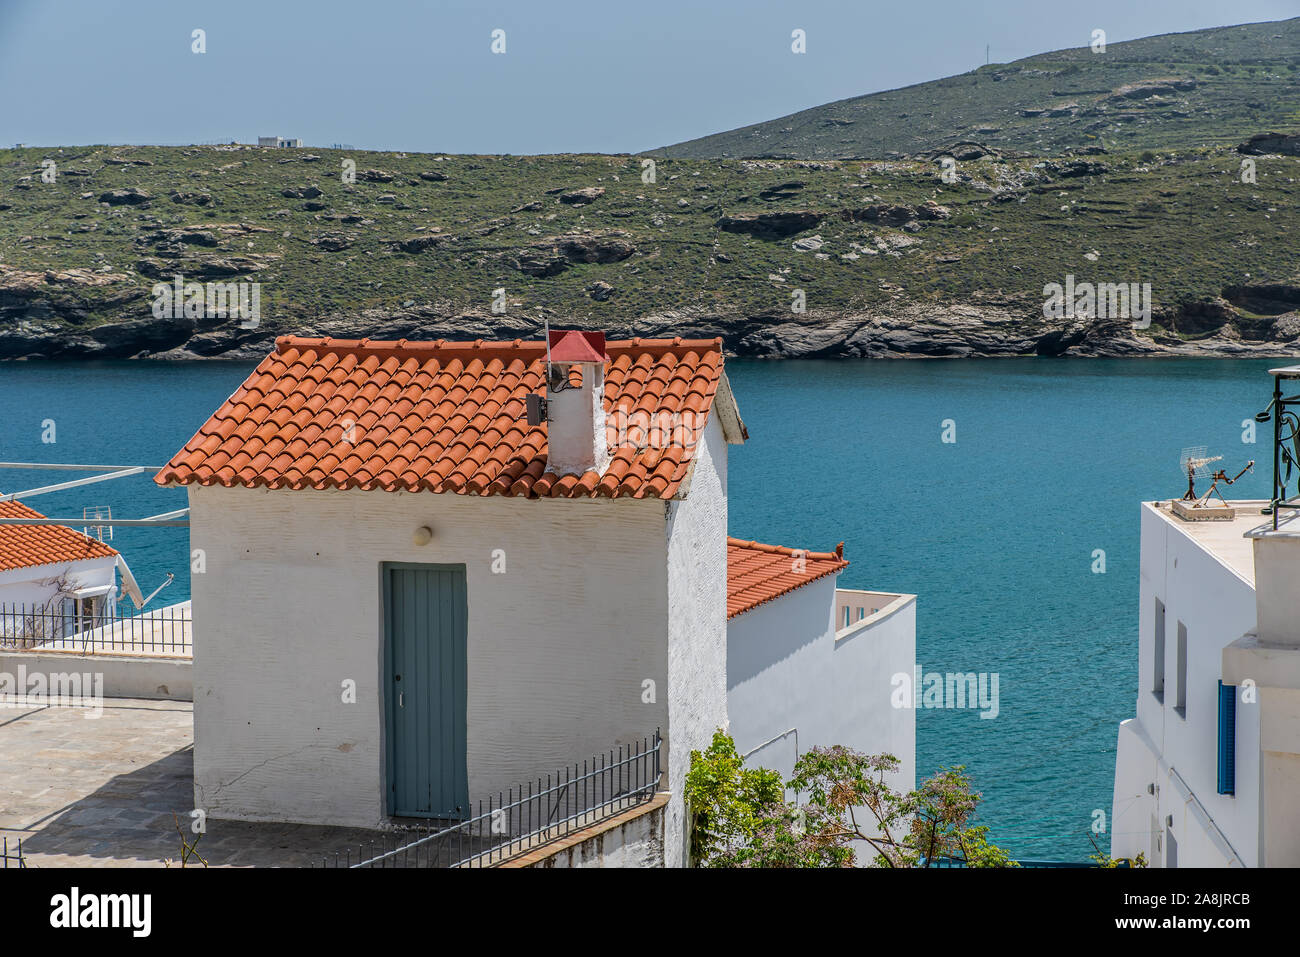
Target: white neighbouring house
x: 810, y: 663
x: 1207, y: 773
x: 53, y: 570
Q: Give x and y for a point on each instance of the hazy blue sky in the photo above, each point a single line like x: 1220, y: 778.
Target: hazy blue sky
x: 577, y: 75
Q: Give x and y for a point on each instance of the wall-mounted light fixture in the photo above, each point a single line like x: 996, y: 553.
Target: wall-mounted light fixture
x: 423, y: 535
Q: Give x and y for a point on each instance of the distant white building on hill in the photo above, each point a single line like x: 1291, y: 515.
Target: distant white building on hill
x: 278, y: 142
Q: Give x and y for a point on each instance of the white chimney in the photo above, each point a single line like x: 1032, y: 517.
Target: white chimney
x: 575, y: 431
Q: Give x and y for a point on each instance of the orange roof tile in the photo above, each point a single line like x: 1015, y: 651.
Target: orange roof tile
x: 27, y: 546
x: 443, y: 417
x: 758, y: 573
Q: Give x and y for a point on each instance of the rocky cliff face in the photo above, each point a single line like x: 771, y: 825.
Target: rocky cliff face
x: 42, y: 316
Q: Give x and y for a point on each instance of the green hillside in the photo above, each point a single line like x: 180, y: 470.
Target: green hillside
x: 1178, y: 90
x: 419, y: 244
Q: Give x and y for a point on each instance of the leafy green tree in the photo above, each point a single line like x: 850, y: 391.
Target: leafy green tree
x: 726, y: 799
x: 741, y: 818
x: 927, y: 824
x: 790, y: 836
x: 1106, y: 862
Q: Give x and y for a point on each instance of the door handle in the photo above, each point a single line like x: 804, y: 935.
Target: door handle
x: 401, y: 700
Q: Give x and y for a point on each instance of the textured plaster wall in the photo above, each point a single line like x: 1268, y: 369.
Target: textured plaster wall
x: 289, y: 609
x: 697, y: 639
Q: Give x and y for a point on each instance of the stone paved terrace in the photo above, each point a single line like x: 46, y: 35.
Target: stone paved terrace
x: 101, y: 792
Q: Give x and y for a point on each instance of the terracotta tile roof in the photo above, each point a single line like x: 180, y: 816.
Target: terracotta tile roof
x: 444, y: 417
x: 27, y: 546
x: 758, y: 573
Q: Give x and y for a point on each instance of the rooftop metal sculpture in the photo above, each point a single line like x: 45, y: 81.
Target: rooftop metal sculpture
x: 1196, y: 464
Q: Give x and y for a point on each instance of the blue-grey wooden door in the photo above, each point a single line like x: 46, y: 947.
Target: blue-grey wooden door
x: 425, y: 610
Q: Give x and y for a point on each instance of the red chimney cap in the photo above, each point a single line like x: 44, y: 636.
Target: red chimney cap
x: 572, y: 345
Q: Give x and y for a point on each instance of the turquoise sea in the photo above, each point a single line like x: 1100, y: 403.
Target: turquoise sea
x: 997, y: 532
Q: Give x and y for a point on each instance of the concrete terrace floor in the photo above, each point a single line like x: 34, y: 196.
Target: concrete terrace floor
x: 101, y: 792
x: 1225, y: 540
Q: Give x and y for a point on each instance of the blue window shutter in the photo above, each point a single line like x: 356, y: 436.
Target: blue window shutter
x: 1227, y: 738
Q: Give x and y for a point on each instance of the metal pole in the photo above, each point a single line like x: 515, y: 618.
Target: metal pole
x: 77, y: 468
x: 33, y: 492
x: 106, y: 522
x: 1277, y: 445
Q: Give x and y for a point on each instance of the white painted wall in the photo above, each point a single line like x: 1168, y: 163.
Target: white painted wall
x: 117, y: 676
x: 867, y: 656
x: 697, y: 623
x: 1179, y: 753
x: 290, y: 607
x: 34, y: 586
x: 780, y: 675
x: 789, y: 668
x: 635, y: 843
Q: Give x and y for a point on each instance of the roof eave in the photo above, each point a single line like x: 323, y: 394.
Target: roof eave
x: 835, y: 572
x: 724, y: 404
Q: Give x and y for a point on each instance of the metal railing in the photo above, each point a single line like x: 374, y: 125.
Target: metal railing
x: 523, y: 818
x: 957, y: 863
x: 1286, y: 442
x: 12, y: 858
x: 165, y: 631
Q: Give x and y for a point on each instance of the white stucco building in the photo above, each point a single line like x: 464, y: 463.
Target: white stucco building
x: 53, y: 571
x: 1207, y: 772
x: 409, y: 603
x: 810, y: 663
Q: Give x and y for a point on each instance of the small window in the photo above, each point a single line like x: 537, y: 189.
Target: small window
x: 1181, y: 700
x: 847, y: 622
x: 1158, y: 676
x: 88, y: 613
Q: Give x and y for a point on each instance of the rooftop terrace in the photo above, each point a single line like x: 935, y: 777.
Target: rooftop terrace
x: 1224, y: 540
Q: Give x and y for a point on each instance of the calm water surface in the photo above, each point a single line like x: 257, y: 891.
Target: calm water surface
x: 996, y: 532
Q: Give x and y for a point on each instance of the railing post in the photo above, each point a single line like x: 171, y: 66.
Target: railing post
x: 1277, y: 447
